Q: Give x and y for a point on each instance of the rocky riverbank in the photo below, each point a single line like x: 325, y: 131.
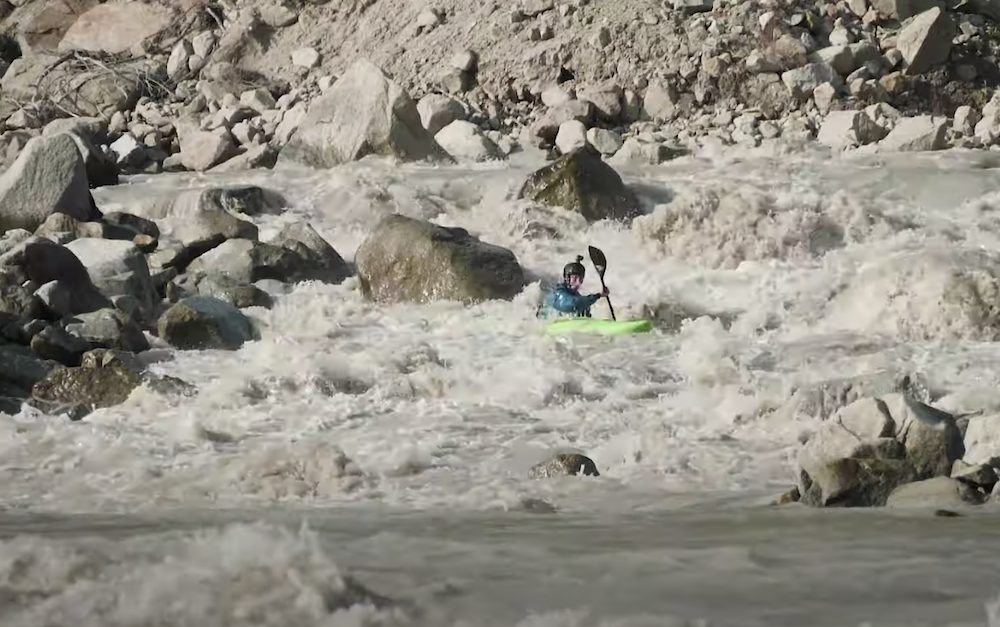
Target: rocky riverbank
x: 225, y: 86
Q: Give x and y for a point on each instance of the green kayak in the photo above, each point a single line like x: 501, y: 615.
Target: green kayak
x: 599, y: 326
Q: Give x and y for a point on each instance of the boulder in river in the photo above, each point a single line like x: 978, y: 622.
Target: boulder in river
x: 564, y: 465
x: 581, y: 181
x: 405, y: 259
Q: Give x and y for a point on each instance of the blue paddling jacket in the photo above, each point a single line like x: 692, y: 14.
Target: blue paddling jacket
x: 564, y: 300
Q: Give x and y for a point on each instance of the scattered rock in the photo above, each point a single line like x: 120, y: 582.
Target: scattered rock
x: 873, y: 446
x: 466, y: 142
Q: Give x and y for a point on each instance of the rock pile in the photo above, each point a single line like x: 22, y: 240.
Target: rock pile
x: 212, y: 87
x: 82, y: 292
x: 896, y: 451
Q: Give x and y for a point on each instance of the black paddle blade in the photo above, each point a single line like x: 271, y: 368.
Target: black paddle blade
x: 598, y: 259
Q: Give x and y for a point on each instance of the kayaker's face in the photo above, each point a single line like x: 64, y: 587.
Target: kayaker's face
x: 575, y: 281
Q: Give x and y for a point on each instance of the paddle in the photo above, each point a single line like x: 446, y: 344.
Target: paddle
x: 601, y: 263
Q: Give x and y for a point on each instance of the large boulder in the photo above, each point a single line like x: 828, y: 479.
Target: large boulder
x: 116, y: 27
x: 873, y: 446
x: 405, y: 259
x: 466, y: 142
x: 48, y: 24
x: 363, y: 113
x: 580, y: 181
x: 925, y: 40
x: 22, y: 367
x: 87, y: 132
x: 48, y: 176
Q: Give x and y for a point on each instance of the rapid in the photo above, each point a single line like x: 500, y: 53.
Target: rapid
x: 388, y: 446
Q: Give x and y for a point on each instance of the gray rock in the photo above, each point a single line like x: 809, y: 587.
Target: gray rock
x: 438, y: 111
x: 66, y: 287
x: 237, y: 294
x: 848, y: 129
x: 926, y: 40
x: 363, y: 113
x: 936, y: 492
x: 204, y: 322
x: 902, y: 9
x: 404, y: 259
x: 108, y: 328
x: 982, y: 440
x: 975, y: 475
x: 803, y: 80
x: 101, y: 169
x: 67, y: 298
x: 48, y: 176
x: 198, y: 220
x: 547, y: 126
x: 55, y: 343
x: 325, y: 263
x: 606, y: 100
x: 581, y: 181
x: 22, y: 367
x: 247, y: 261
x: 919, y: 133
x: 875, y: 445
x: 80, y: 390
x: 466, y: 142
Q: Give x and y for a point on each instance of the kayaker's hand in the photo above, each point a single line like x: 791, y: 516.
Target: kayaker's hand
x: 605, y: 292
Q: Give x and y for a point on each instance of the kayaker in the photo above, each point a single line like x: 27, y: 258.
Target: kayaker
x: 565, y: 298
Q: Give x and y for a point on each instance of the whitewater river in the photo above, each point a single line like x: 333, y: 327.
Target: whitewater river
x: 391, y: 444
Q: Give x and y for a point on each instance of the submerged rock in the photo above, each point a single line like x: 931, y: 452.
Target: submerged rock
x: 104, y: 378
x: 86, y: 388
x: 564, y: 465
x: 935, y: 492
x: 404, y: 259
x: 581, y: 181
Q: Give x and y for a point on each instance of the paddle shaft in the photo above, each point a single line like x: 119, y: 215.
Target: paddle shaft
x: 600, y: 274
